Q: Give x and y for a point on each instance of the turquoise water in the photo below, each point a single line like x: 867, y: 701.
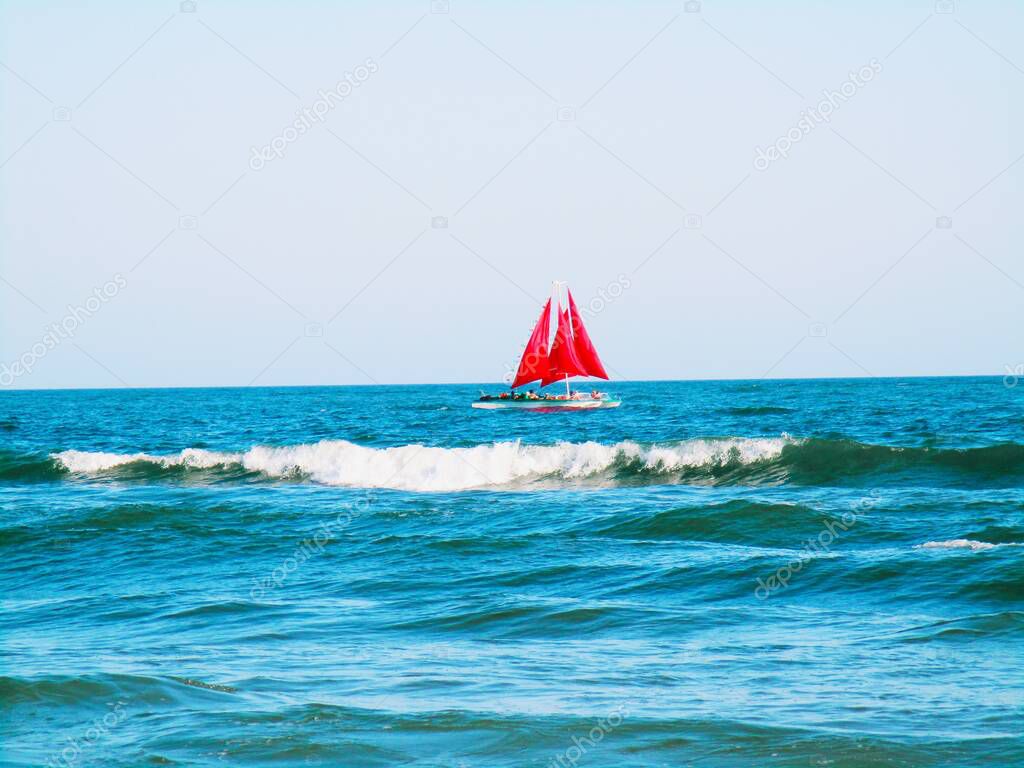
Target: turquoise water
x: 786, y: 573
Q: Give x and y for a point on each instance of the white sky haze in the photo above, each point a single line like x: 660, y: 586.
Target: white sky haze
x: 489, y: 148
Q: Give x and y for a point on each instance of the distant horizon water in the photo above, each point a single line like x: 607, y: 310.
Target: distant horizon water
x: 1013, y: 375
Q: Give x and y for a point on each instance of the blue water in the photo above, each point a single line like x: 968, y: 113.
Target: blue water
x: 785, y: 573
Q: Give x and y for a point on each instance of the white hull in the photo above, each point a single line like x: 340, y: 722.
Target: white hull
x: 545, y: 405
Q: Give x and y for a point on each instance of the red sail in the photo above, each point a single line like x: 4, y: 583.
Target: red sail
x: 534, y: 363
x: 563, y: 355
x: 584, y: 348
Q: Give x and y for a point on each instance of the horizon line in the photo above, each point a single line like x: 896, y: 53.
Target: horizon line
x: 863, y: 377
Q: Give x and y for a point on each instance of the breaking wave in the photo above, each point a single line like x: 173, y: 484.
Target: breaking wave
x: 754, y: 461
x: 970, y: 544
x: 426, y: 468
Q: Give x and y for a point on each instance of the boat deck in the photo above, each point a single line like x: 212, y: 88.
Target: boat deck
x: 542, y: 405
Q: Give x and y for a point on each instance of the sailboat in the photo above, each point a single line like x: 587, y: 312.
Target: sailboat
x: 547, y: 361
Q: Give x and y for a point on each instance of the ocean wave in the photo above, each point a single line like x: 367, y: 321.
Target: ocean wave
x: 99, y: 461
x: 100, y: 689
x: 752, y: 461
x: 738, y: 520
x: 758, y: 410
x: 427, y: 468
x: 970, y: 544
x: 969, y: 628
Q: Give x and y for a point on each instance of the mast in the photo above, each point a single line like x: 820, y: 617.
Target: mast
x: 556, y: 295
x: 556, y: 290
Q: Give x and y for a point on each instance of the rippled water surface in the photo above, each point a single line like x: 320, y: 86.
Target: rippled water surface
x: 786, y: 573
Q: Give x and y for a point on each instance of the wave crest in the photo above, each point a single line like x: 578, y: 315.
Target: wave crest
x: 970, y: 544
x: 753, y: 461
x: 89, y: 462
x: 427, y: 468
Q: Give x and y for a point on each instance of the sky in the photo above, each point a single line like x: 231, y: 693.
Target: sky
x: 228, y: 193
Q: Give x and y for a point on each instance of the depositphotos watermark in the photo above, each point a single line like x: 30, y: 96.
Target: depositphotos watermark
x: 100, y: 727
x: 815, y: 116
x: 822, y: 543
x: 606, y: 296
x: 307, y: 548
x: 1013, y: 375
x: 58, y: 332
x: 572, y: 755
x: 307, y: 116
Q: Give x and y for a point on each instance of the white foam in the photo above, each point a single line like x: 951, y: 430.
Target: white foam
x: 957, y: 544
x: 425, y: 468
x: 97, y: 461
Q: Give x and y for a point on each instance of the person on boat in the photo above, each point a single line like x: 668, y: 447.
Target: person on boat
x: 531, y: 395
x: 503, y: 396
x: 595, y: 395
x: 576, y: 396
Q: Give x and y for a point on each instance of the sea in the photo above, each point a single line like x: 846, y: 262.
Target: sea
x: 715, y: 574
